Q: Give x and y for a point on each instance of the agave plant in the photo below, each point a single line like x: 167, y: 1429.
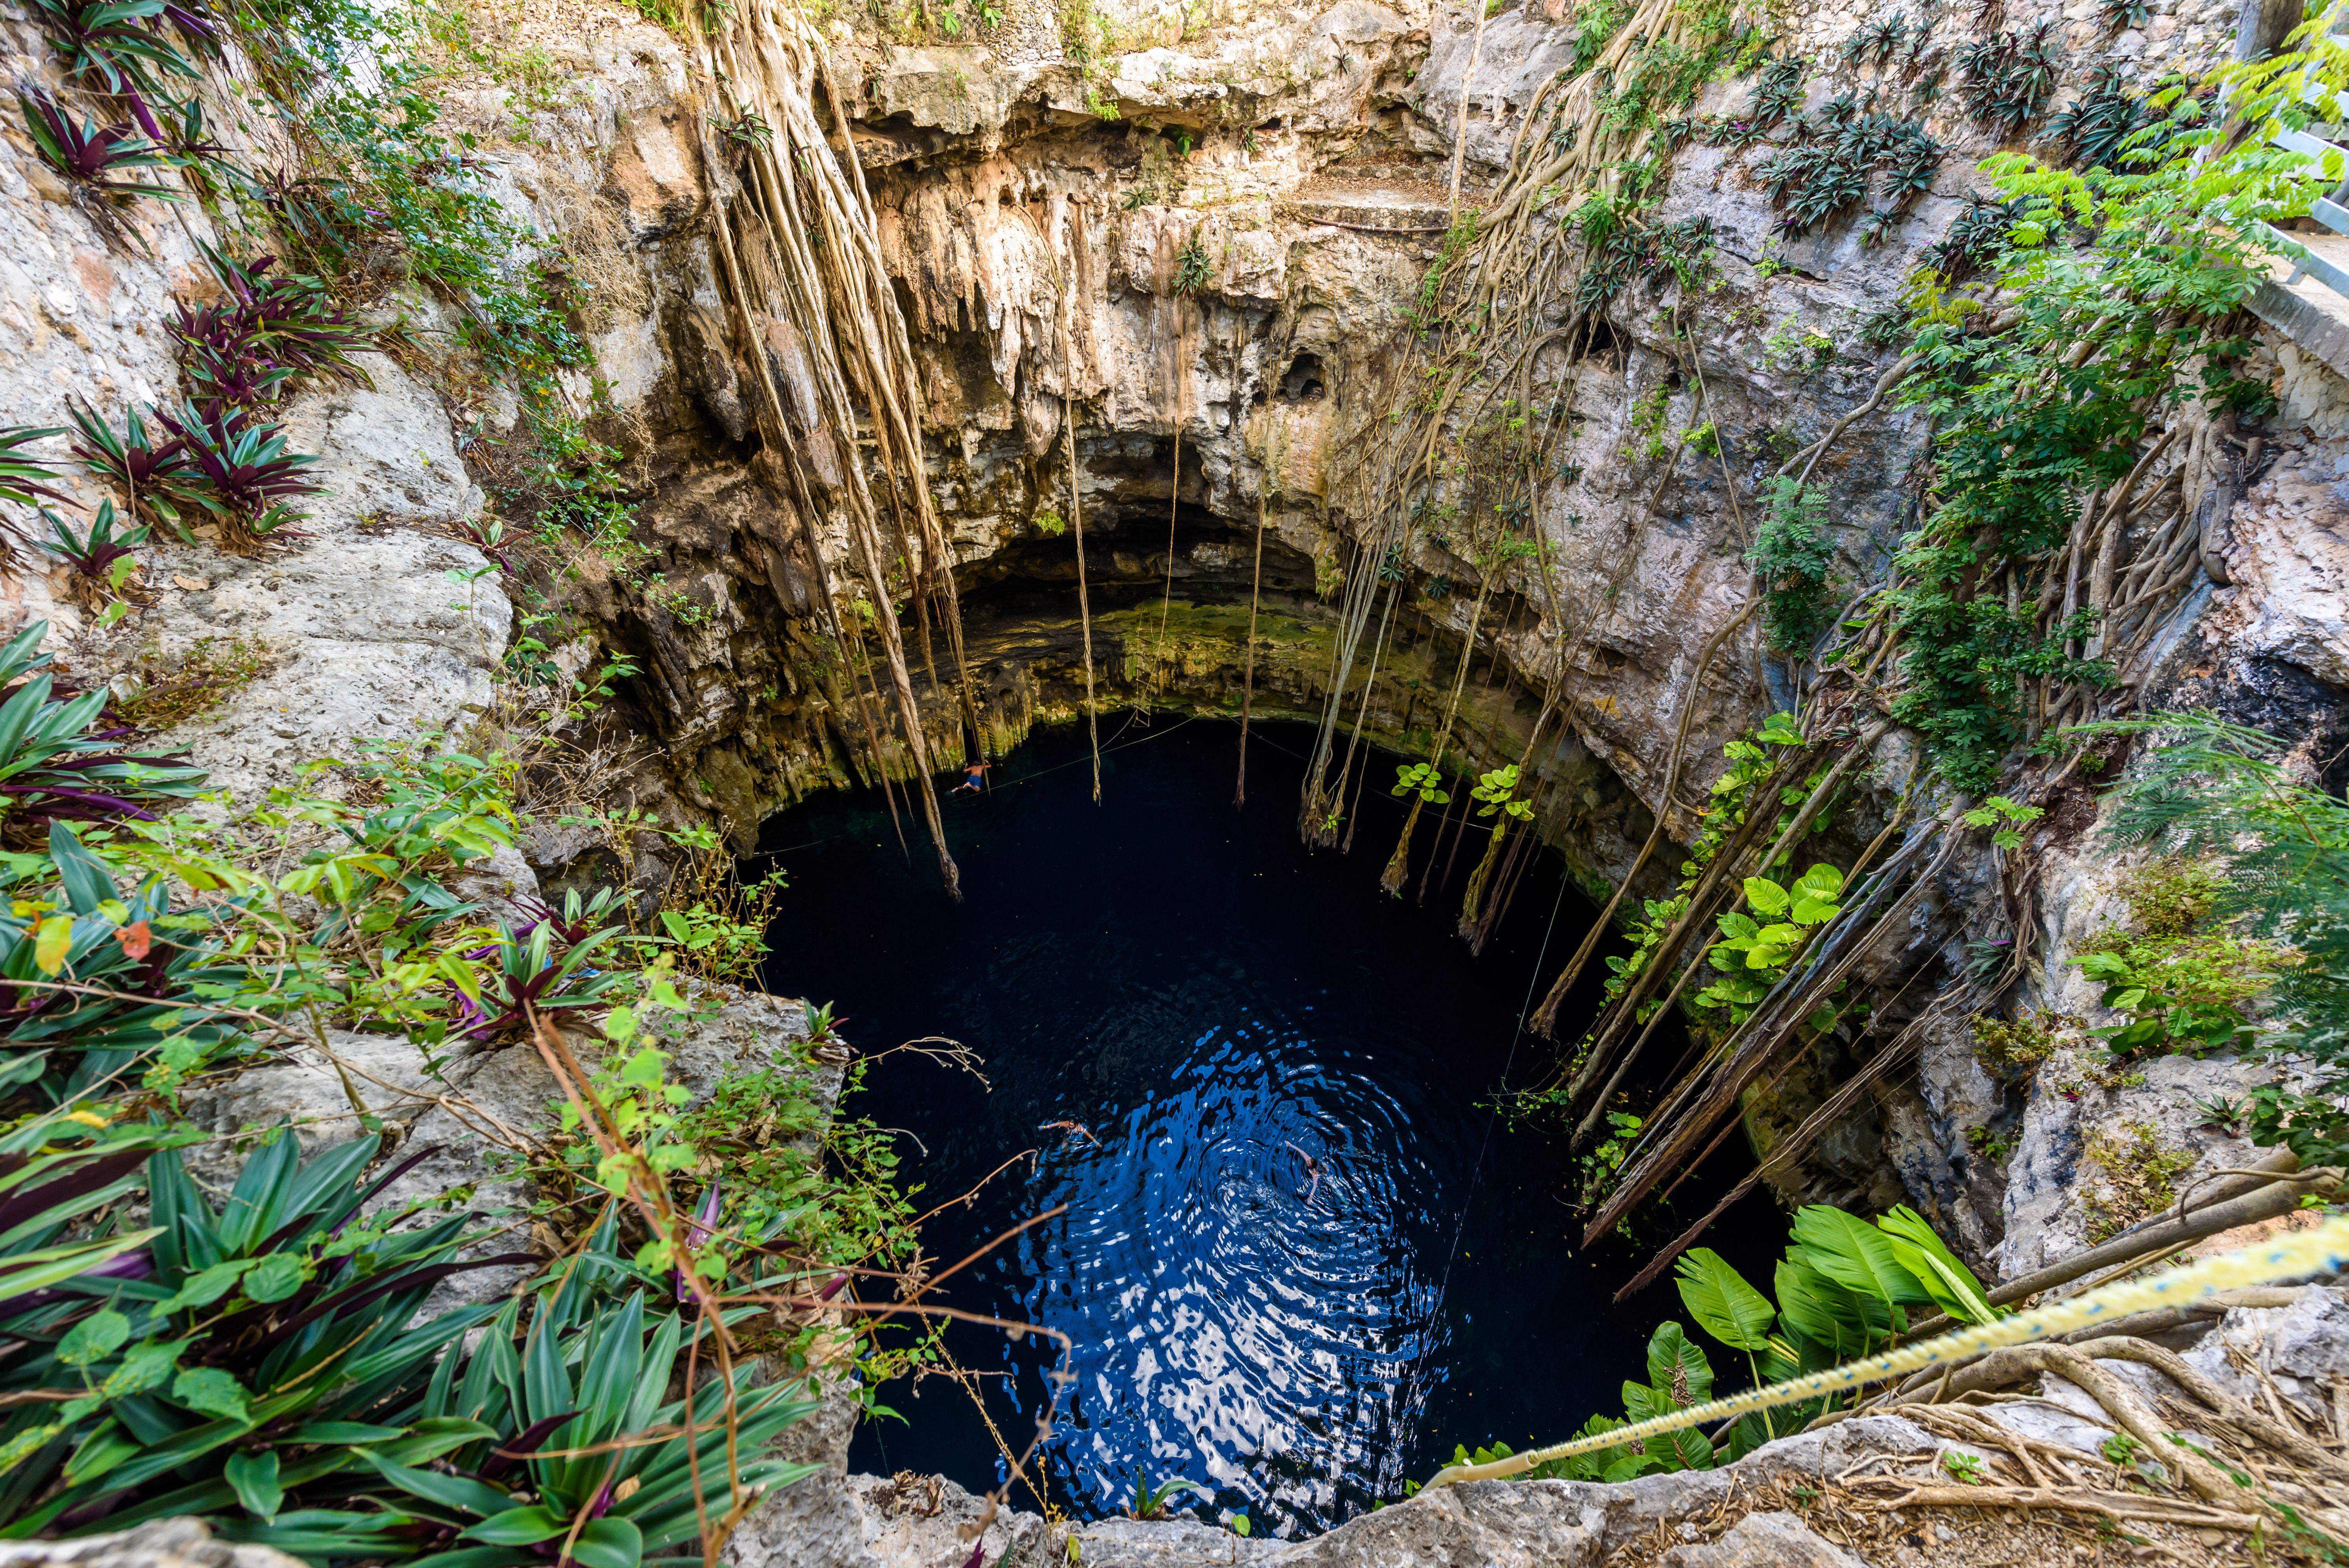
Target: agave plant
x: 157, y: 481
x: 250, y: 479
x: 263, y: 1352
x: 94, y: 158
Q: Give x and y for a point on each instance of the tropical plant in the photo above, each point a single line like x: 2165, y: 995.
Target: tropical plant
x: 1753, y: 957
x: 2100, y: 128
x: 101, y: 560
x: 268, y: 332
x: 1423, y: 780
x: 538, y: 975
x: 250, y: 479
x: 97, y: 157
x: 1792, y: 550
x: 1844, y: 1290
x: 58, y: 1177
x: 24, y: 480
x: 57, y: 765
x: 95, y: 982
x: 746, y: 129
x: 1496, y: 793
x: 260, y: 1352
x: 156, y: 480
x: 1151, y: 1501
x: 2277, y: 848
x: 2006, y: 79
x: 113, y: 43
x: 567, y: 1452
x: 1193, y: 269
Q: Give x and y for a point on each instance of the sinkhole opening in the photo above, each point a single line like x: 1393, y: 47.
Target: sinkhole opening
x: 1179, y: 1006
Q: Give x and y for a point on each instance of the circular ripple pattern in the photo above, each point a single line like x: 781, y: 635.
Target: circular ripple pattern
x: 1299, y: 1259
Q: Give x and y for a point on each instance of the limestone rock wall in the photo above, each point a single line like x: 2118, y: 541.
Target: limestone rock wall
x: 1035, y: 210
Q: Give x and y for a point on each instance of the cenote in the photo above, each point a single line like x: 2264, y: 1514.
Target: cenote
x: 1176, y: 1003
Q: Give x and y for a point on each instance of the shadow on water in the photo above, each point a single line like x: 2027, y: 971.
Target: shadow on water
x: 1212, y: 1005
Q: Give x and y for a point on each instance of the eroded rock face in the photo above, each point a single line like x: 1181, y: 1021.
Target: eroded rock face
x: 1226, y: 268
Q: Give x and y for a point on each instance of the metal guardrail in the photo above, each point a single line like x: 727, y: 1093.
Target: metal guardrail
x: 2309, y: 261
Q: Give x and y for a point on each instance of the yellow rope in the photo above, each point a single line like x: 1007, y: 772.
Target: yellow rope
x: 2324, y: 1248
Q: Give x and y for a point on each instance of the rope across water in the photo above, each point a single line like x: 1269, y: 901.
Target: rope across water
x: 2324, y: 1248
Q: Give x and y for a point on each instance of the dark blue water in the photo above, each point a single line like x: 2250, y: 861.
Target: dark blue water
x: 1206, y: 1004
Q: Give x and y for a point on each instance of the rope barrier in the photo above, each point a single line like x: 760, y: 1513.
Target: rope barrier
x: 2324, y: 1249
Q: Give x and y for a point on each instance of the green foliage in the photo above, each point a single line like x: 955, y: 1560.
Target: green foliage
x: 1048, y: 522
x: 1595, y: 23
x: 2183, y: 984
x: 1678, y: 1376
x: 1841, y: 166
x: 1194, y: 271
x: 2009, y: 818
x: 1843, y: 1289
x: 2138, y: 1176
x: 261, y: 1363
x: 1423, y: 779
x: 1753, y: 957
x: 2113, y: 284
x: 57, y: 765
x: 229, y: 1365
x: 1496, y: 793
x: 1792, y: 550
x: 2014, y: 1050
x: 2004, y: 79
x: 2216, y: 793
x: 1151, y: 1501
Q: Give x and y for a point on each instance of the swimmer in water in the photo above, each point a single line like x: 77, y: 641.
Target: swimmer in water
x: 1312, y: 1169
x: 1072, y: 1130
x: 974, y: 777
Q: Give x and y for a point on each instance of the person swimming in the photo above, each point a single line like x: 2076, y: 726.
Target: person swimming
x: 1312, y: 1169
x: 974, y: 777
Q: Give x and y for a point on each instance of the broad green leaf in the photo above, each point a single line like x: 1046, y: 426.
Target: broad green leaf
x: 1821, y: 881
x: 520, y: 1527
x: 93, y: 1338
x: 210, y: 1391
x: 1766, y: 897
x: 277, y: 1276
x: 609, y: 1543
x: 1690, y: 1446
x: 1677, y: 1366
x: 205, y: 1286
x: 1951, y: 1284
x: 254, y: 1476
x: 1856, y: 1256
x: 147, y: 1367
x: 1722, y: 1304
